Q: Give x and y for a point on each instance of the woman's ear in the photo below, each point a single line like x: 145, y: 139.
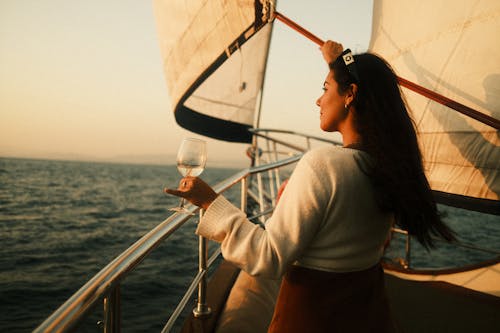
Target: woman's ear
x: 351, y: 94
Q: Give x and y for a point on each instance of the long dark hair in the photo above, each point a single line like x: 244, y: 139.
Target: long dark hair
x: 388, y: 134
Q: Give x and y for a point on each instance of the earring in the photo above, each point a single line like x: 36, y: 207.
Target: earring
x: 346, y: 107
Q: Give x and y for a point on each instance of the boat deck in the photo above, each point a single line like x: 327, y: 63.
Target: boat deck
x: 435, y: 306
x: 417, y: 306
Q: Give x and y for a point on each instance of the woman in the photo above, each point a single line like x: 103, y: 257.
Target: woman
x: 327, y: 234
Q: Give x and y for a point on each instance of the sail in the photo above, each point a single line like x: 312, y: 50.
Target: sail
x: 452, y: 48
x: 214, y: 55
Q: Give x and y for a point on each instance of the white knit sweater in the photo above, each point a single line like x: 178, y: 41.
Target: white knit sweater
x: 326, y: 219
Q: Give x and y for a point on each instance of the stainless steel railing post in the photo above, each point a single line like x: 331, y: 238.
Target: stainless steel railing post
x: 244, y: 184
x: 277, y: 170
x: 270, y: 172
x: 260, y: 189
x: 202, y: 309
x: 408, y: 251
x: 112, y: 311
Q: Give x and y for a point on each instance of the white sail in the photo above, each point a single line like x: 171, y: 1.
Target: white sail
x: 451, y: 47
x: 214, y: 71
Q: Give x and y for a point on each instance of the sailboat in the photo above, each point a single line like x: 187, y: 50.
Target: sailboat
x: 447, y: 58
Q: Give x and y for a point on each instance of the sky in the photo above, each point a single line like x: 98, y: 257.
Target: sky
x: 83, y: 80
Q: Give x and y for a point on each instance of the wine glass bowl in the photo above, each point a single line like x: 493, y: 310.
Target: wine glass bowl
x: 191, y: 159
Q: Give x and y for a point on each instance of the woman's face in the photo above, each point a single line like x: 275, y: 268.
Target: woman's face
x: 331, y: 105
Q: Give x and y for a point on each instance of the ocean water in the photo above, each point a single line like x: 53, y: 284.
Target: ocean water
x: 61, y: 222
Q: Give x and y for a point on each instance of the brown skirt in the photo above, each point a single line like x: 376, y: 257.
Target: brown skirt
x: 317, y: 301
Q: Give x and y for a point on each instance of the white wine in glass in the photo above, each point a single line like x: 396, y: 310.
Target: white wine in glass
x: 191, y: 159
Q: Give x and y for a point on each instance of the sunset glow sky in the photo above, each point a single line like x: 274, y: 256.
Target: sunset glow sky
x: 83, y: 79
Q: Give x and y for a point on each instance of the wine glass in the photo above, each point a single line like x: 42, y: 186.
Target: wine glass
x: 191, y: 159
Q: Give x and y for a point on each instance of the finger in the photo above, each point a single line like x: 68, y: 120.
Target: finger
x: 173, y: 192
x: 183, y: 183
x: 186, y: 181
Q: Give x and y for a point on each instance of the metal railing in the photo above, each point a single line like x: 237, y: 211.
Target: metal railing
x: 105, y: 285
x: 275, y: 146
x: 406, y: 262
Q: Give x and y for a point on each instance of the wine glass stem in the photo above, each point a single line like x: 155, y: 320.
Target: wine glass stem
x: 181, y: 205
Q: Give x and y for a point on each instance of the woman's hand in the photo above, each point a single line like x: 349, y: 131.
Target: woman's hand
x: 194, y: 190
x: 331, y: 50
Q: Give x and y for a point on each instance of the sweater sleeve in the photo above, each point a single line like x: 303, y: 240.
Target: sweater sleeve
x: 269, y: 252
